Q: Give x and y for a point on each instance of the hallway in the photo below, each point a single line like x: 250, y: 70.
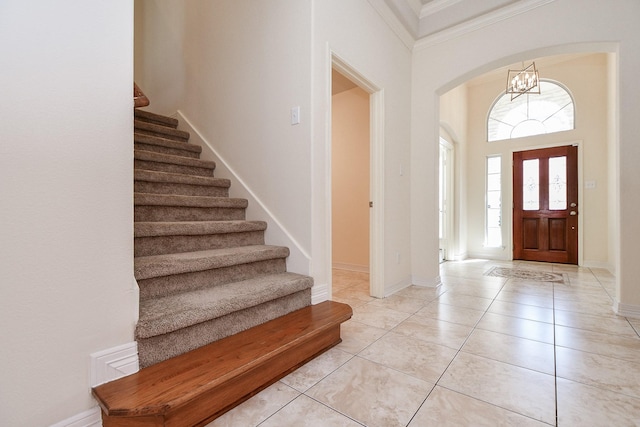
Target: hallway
x: 498, y: 343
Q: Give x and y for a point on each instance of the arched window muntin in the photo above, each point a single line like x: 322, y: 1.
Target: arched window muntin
x: 553, y: 110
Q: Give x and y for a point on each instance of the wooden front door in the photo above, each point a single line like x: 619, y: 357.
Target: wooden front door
x: 545, y: 208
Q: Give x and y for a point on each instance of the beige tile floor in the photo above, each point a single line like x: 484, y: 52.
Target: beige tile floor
x: 476, y: 351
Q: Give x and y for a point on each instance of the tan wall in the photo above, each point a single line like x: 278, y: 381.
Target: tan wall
x: 350, y: 179
x: 586, y: 79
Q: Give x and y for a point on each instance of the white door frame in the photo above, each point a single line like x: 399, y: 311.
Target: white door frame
x: 446, y: 243
x: 376, y: 173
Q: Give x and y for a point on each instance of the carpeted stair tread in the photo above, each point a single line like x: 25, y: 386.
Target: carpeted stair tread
x: 148, y: 116
x: 146, y: 199
x: 151, y: 156
x: 179, y: 178
x: 156, y: 129
x: 164, y: 315
x: 147, y: 267
x: 158, y: 141
x: 195, y: 228
x: 204, y: 271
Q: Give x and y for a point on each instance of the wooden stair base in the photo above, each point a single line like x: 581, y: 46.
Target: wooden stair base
x: 194, y: 388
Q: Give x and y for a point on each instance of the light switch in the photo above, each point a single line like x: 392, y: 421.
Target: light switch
x: 295, y: 115
x: 590, y: 184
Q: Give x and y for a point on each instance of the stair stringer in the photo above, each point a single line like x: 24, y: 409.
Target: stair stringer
x: 299, y: 260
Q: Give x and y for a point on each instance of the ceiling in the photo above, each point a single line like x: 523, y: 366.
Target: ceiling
x: 426, y: 17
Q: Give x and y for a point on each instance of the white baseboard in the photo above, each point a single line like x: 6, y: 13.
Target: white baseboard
x: 392, y: 289
x: 489, y: 255
x: 626, y: 310
x: 319, y: 293
x: 427, y: 283
x: 113, y: 363
x: 458, y: 257
x: 90, y: 418
x: 106, y: 365
x: 598, y: 264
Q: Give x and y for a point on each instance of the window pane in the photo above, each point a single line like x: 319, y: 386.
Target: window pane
x: 493, y: 165
x: 493, y: 230
x: 550, y: 111
x: 528, y: 128
x: 493, y: 182
x: 558, y: 183
x: 493, y: 218
x: 530, y: 185
x: 493, y: 199
x: 494, y: 237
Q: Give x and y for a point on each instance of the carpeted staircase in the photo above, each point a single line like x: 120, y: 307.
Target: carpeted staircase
x: 203, y: 270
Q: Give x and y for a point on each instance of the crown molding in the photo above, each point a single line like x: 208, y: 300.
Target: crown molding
x: 480, y: 22
x: 394, y: 22
x: 435, y: 6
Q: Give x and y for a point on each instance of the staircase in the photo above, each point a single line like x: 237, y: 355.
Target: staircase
x: 220, y: 317
x: 204, y: 272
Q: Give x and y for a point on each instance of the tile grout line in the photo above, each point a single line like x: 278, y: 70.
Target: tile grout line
x: 458, y: 351
x: 555, y: 357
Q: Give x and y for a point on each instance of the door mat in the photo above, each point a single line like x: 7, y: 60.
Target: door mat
x: 518, y: 273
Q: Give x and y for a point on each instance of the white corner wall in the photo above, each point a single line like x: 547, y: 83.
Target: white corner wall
x: 359, y: 36
x: 453, y: 127
x: 445, y: 61
x: 245, y: 65
x: 239, y: 67
x: 159, y: 67
x: 66, y: 276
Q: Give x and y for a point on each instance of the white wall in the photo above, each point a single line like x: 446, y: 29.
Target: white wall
x: 358, y: 35
x: 453, y: 128
x: 66, y: 276
x: 612, y: 159
x: 586, y: 79
x: 577, y: 26
x: 350, y: 179
x: 241, y: 66
x: 158, y: 62
x: 246, y: 64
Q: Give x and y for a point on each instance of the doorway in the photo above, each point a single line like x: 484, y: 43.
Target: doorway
x: 545, y: 205
x: 374, y: 202
x: 350, y: 171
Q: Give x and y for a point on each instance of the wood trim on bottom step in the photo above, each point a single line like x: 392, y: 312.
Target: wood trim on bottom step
x: 194, y: 388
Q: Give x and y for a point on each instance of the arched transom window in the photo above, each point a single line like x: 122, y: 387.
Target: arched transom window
x: 550, y: 111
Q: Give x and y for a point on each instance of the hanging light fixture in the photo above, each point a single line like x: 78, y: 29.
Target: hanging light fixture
x: 523, y: 81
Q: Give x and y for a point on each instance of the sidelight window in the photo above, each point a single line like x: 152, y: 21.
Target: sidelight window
x: 494, y: 202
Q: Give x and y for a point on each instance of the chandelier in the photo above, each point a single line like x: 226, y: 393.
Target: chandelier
x: 523, y: 81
